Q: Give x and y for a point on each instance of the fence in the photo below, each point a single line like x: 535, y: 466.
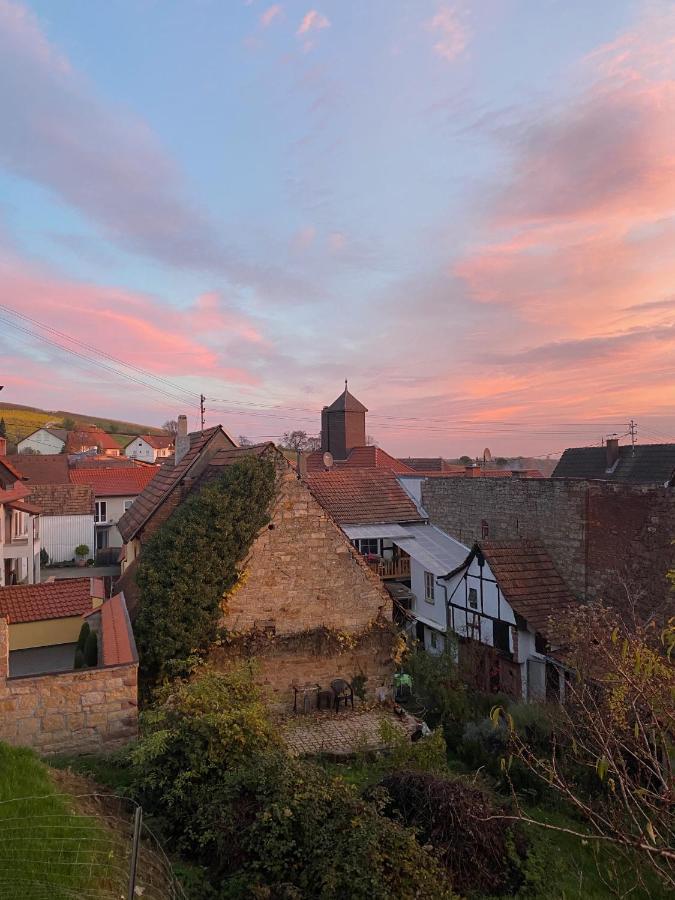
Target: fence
x: 88, y: 846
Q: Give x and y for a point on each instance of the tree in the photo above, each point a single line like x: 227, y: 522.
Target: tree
x: 243, y: 441
x: 299, y: 440
x: 371, y: 441
x: 465, y: 460
x: 68, y: 424
x: 191, y: 562
x: 612, y: 758
x: 3, y: 428
x: 171, y: 427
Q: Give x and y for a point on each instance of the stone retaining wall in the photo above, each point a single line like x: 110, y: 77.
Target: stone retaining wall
x: 77, y: 711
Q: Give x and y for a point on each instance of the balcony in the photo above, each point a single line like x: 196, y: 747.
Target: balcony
x: 390, y: 568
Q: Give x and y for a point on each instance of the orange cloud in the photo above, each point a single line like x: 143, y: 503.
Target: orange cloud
x: 270, y: 15
x: 312, y: 21
x: 451, y: 36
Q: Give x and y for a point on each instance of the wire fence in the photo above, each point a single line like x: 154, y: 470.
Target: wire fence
x: 87, y: 846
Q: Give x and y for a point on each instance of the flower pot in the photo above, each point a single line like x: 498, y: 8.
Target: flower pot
x: 81, y: 562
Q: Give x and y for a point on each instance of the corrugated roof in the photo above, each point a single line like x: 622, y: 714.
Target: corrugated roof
x: 529, y: 581
x: 362, y: 496
x: 433, y: 548
x: 63, y: 499
x: 642, y: 464
x: 56, y: 599
x: 120, y: 481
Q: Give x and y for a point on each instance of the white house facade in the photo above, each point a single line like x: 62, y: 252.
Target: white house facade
x: 45, y: 441
x: 67, y: 518
x: 149, y: 448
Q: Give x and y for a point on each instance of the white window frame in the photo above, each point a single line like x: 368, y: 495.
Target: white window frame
x: 100, y: 506
x: 429, y: 587
x: 472, y: 603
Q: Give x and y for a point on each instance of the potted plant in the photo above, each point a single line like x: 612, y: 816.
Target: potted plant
x: 81, y: 554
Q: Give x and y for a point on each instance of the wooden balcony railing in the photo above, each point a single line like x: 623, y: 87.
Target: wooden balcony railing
x: 391, y: 568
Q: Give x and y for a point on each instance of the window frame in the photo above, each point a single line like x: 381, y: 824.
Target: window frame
x: 429, y: 581
x: 98, y: 506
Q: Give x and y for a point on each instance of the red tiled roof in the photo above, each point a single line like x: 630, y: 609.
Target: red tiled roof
x: 166, y: 479
x: 529, y: 581
x: 83, y: 438
x: 117, y: 642
x: 23, y: 506
x: 42, y: 468
x: 10, y: 469
x: 56, y: 599
x: 115, y: 481
x: 360, y: 458
x: 427, y: 464
x: 362, y: 496
x: 98, y: 460
x: 63, y: 499
x: 156, y: 441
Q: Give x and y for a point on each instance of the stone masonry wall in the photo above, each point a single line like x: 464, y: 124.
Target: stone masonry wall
x: 69, y: 712
x: 302, y: 573
x: 602, y: 537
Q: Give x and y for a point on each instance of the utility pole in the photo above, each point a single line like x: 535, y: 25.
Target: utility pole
x: 632, y: 429
x: 202, y: 398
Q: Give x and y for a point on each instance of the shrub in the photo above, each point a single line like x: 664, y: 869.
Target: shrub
x: 79, y: 662
x: 359, y: 685
x: 82, y: 551
x: 84, y: 634
x: 438, y: 688
x: 476, y: 849
x: 191, y: 562
x: 44, y: 557
x: 90, y: 652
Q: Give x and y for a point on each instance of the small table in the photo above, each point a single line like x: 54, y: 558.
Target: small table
x: 306, y: 690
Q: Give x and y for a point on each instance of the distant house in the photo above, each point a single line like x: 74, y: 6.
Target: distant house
x: 92, y: 438
x: 45, y: 441
x: 430, y: 465
x: 302, y: 580
x: 645, y: 464
x: 149, y: 447
x: 46, y: 703
x: 19, y: 528
x: 114, y: 490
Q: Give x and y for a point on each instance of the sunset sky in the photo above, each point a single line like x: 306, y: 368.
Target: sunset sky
x: 468, y: 209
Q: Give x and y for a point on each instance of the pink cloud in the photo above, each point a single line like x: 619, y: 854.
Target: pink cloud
x: 270, y: 15
x: 312, y: 21
x: 451, y: 36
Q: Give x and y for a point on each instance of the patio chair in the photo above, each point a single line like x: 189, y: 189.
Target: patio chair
x: 343, y: 691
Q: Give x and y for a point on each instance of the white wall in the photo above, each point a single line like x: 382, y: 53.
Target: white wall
x: 139, y: 449
x: 41, y: 442
x: 62, y: 534
x: 466, y: 621
x: 114, y: 512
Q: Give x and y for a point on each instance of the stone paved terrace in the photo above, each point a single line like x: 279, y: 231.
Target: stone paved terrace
x: 342, y: 734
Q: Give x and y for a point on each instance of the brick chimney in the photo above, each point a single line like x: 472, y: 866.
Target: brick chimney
x: 182, y: 440
x: 472, y: 471
x: 612, y: 452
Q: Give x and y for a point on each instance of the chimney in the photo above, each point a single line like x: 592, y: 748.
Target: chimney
x: 301, y: 464
x: 612, y: 449
x: 182, y: 440
x: 472, y: 471
x: 3, y: 446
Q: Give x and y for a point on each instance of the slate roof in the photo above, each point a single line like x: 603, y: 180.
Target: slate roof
x: 42, y: 468
x: 346, y: 402
x: 362, y: 496
x: 63, y: 499
x: 529, y: 581
x: 115, y: 481
x: 166, y: 478
x: 649, y: 464
x: 56, y: 599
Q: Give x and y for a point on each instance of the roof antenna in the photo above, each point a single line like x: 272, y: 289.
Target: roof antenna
x: 345, y: 385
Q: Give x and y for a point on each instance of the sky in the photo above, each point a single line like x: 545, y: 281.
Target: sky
x: 466, y: 209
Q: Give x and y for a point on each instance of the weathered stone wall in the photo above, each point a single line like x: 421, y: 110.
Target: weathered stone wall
x: 602, y: 537
x: 69, y: 712
x: 302, y: 572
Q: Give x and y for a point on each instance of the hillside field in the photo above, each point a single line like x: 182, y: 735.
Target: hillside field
x: 21, y: 420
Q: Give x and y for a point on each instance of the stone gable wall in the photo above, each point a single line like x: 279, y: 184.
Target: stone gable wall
x: 601, y: 536
x: 80, y: 711
x: 302, y: 573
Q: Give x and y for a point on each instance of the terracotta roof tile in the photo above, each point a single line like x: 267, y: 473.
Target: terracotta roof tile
x: 63, y: 499
x: 529, y: 581
x: 424, y: 464
x: 117, y: 642
x: 56, y: 599
x: 362, y: 496
x: 115, y: 481
x: 42, y: 468
x: 360, y: 458
x: 83, y: 438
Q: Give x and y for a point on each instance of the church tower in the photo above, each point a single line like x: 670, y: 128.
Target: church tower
x: 343, y: 425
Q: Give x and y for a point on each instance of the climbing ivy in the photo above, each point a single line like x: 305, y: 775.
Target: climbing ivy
x: 191, y: 562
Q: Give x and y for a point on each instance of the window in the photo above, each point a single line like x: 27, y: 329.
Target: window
x: 433, y: 641
x: 102, y: 539
x: 429, y: 579
x: 369, y: 545
x: 484, y: 529
x: 473, y: 598
x: 101, y: 513
x: 127, y: 504
x: 500, y: 636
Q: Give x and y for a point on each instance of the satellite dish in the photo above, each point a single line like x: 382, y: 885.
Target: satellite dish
x: 328, y: 460
x: 487, y: 456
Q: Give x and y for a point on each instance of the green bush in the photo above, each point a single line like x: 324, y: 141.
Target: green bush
x: 439, y: 691
x: 191, y: 562
x: 79, y: 662
x: 84, y: 634
x: 90, y: 652
x: 82, y: 551
x: 44, y: 557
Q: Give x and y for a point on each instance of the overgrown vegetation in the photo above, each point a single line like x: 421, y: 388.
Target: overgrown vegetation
x: 191, y: 562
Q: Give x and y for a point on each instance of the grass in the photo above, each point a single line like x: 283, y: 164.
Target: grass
x: 49, y: 849
x: 22, y: 420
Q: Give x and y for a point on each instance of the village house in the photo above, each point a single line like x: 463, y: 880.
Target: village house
x: 47, y: 703
x: 149, y: 447
x: 19, y: 527
x: 322, y: 612
x: 92, y: 439
x: 66, y: 518
x: 644, y: 464
x: 45, y: 441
